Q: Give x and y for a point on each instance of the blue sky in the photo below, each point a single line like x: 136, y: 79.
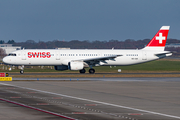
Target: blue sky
x: 47, y: 20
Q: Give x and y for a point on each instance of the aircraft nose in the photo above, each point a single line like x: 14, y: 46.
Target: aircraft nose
x: 5, y: 60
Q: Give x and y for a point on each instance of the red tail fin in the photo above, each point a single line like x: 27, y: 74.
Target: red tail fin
x: 159, y: 40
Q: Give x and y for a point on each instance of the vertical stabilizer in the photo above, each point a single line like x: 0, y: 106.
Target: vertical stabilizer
x: 158, y: 42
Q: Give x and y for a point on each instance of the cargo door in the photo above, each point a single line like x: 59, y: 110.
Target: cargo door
x: 144, y: 55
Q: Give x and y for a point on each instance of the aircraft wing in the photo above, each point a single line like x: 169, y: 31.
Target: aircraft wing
x: 96, y: 60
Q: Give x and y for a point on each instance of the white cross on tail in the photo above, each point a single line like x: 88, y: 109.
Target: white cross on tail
x: 160, y: 38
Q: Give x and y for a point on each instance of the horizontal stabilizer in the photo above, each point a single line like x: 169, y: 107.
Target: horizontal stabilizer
x: 162, y: 55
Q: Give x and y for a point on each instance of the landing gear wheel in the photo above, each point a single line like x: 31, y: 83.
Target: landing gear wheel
x: 91, y: 71
x: 21, y: 71
x: 82, y: 71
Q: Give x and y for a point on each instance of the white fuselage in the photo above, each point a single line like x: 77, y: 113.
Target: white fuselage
x: 63, y: 57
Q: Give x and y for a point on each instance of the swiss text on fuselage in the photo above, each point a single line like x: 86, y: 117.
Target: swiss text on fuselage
x: 39, y: 54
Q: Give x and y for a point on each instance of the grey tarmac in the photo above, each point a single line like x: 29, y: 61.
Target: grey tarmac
x: 92, y: 98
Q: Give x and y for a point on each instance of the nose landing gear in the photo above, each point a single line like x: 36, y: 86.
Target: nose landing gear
x: 22, y: 69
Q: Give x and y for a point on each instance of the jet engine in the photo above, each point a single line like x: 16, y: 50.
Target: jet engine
x: 75, y: 65
x: 61, y: 67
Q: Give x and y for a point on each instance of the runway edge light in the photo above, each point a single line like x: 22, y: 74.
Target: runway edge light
x: 7, y: 74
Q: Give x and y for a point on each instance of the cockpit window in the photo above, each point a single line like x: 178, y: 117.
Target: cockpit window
x: 12, y: 54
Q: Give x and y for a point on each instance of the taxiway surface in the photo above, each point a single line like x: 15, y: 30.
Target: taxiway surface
x: 91, y: 99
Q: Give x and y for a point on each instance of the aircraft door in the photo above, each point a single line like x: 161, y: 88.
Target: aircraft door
x: 23, y: 55
x: 57, y: 55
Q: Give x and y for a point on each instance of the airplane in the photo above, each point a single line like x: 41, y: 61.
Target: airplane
x: 79, y: 59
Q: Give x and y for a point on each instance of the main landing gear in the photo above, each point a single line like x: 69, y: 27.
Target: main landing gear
x: 82, y: 71
x: 91, y: 71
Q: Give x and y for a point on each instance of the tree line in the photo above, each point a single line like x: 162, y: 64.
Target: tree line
x: 76, y: 44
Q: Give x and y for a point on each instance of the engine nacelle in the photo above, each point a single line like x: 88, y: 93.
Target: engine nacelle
x: 61, y: 67
x: 75, y: 65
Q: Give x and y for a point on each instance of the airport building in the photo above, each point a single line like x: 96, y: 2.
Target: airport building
x: 175, y: 45
x: 8, y: 48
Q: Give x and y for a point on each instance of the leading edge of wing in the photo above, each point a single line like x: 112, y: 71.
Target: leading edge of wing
x: 99, y: 58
